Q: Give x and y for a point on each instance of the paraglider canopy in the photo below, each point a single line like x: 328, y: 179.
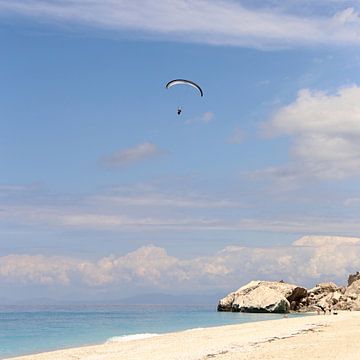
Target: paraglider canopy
x: 184, y: 82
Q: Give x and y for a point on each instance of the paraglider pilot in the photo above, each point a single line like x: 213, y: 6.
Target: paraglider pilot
x: 185, y: 82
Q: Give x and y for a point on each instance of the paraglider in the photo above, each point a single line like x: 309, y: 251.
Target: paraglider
x: 184, y: 82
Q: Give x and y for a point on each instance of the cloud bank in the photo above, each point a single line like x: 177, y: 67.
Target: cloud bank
x: 160, y: 208
x: 215, y: 22
x: 308, y: 260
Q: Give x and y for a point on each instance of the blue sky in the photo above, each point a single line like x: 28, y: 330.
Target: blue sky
x: 103, y: 188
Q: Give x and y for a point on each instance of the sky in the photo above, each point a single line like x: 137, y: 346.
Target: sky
x: 105, y: 192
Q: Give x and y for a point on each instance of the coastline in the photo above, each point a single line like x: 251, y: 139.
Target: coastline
x: 288, y: 338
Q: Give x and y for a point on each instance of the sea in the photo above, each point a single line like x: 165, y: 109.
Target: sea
x: 33, y: 329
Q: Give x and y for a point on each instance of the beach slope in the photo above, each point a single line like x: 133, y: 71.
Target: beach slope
x: 310, y: 337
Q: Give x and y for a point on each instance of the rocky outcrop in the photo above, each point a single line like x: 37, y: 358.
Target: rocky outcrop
x: 262, y: 296
x: 350, y: 297
x: 225, y: 304
x: 353, y: 277
x: 353, y: 289
x: 323, y: 295
x: 281, y: 297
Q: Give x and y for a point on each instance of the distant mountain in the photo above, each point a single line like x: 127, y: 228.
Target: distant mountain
x: 141, y: 299
x: 166, y: 299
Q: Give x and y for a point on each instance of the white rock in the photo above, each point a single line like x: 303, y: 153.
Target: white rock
x: 259, y: 296
x: 261, y: 299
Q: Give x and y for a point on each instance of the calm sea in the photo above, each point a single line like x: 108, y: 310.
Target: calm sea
x: 27, y: 330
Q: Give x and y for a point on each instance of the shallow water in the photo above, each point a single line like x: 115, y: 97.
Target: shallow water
x: 32, y: 329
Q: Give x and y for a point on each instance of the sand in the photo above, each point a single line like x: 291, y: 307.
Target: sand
x: 311, y: 337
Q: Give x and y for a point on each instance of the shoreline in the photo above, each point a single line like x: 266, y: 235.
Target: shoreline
x: 287, y: 338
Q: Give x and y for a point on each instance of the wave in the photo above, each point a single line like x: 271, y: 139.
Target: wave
x: 130, y: 337
x: 141, y: 336
x: 195, y: 329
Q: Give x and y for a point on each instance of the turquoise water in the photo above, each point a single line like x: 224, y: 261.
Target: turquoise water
x: 27, y: 330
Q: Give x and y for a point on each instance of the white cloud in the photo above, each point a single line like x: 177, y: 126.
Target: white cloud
x: 153, y: 199
x: 320, y: 113
x: 162, y: 209
x: 132, y: 155
x: 326, y: 133
x: 204, y: 118
x: 132, y: 208
x: 36, y: 269
x: 346, y: 16
x: 146, y: 218
x: 317, y: 241
x: 147, y: 265
x: 218, y: 22
x: 308, y: 260
x: 330, y: 256
x: 103, y: 220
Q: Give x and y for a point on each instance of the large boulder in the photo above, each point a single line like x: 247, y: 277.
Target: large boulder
x: 297, y: 294
x: 323, y: 289
x: 262, y: 299
x: 298, y: 298
x: 260, y: 296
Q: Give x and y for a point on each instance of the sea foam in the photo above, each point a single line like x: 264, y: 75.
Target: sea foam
x: 130, y: 337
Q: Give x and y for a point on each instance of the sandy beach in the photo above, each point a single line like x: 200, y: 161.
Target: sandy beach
x: 311, y: 337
